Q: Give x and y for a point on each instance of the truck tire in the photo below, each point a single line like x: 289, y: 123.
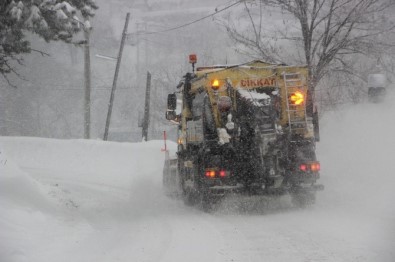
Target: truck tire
x: 190, y: 198
x: 207, y: 203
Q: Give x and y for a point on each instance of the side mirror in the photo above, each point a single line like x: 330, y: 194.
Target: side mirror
x: 171, y: 115
x: 171, y: 102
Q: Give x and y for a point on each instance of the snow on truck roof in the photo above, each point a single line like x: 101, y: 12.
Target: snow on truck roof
x: 255, y: 64
x: 258, y: 99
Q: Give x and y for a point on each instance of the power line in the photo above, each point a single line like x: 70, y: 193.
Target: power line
x: 217, y: 11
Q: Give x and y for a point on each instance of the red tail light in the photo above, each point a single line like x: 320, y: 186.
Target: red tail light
x: 213, y: 173
x: 303, y: 167
x: 315, y: 167
x: 210, y: 173
x: 312, y: 166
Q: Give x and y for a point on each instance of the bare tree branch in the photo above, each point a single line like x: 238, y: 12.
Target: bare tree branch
x: 328, y: 30
x: 40, y: 52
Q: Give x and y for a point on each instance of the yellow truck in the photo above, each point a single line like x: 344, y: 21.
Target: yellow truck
x: 245, y: 129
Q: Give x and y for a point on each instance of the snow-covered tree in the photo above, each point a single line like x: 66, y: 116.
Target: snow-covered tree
x: 50, y: 19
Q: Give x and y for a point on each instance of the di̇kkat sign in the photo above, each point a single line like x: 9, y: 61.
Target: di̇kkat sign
x: 258, y: 82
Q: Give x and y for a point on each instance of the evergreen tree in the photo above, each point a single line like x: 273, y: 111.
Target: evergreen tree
x: 53, y: 20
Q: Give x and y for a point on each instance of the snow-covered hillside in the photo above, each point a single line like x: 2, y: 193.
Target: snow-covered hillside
x: 76, y: 200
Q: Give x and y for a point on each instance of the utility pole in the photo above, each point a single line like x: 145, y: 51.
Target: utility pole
x: 146, y: 109
x: 114, y: 84
x: 138, y: 55
x: 87, y: 74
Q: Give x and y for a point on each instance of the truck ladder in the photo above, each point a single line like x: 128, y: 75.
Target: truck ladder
x: 296, y: 113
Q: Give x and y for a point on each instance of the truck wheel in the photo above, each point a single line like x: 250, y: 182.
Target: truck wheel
x: 207, y: 203
x: 189, y: 198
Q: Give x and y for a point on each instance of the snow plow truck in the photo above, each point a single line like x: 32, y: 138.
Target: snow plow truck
x: 244, y: 129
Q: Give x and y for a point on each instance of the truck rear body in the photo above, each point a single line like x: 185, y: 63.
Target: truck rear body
x: 246, y: 128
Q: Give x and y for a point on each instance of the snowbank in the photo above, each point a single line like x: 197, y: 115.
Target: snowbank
x: 23, y: 209
x: 58, y: 191
x: 103, y: 162
x: 17, y: 186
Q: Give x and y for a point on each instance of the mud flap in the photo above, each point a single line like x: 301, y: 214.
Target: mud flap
x: 303, y: 199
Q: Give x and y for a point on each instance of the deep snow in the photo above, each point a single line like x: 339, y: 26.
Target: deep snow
x: 77, y: 200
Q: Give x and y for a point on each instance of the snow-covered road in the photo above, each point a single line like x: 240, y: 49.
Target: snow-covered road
x: 76, y: 200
